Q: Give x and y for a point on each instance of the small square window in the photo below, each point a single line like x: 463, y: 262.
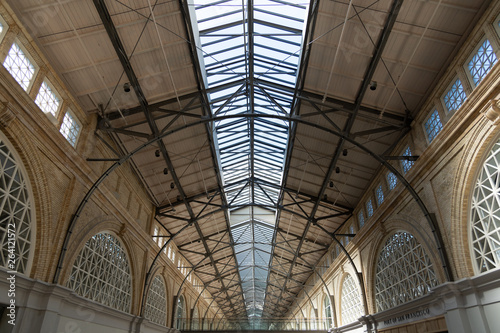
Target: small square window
x: 3, y: 28
x: 380, y: 195
x: 455, y: 96
x: 369, y: 208
x: 361, y: 219
x: 433, y: 125
x: 351, y: 229
x: 19, y: 66
x: 407, y: 164
x: 47, y: 100
x: 70, y: 128
x: 392, y: 181
x: 481, y: 62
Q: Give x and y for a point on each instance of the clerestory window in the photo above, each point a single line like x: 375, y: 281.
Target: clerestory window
x: 19, y: 66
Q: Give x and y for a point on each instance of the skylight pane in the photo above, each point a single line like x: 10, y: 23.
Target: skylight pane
x: 251, y: 150
x: 19, y: 66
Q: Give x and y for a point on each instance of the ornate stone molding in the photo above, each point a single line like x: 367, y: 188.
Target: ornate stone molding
x: 492, y: 111
x: 6, y: 114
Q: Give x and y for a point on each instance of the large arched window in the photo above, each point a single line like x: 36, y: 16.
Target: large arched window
x: 195, y: 320
x: 180, y: 313
x: 485, y: 214
x: 101, y: 272
x: 350, y: 306
x: 156, y: 303
x: 404, y: 272
x: 312, y: 320
x: 17, y: 225
x: 328, y: 312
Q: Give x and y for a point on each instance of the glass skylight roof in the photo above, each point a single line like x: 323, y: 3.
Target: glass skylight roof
x: 249, y: 50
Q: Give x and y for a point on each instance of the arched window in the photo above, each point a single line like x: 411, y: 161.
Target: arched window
x: 485, y: 214
x: 156, y: 303
x: 350, y: 306
x: 328, y: 312
x: 195, y: 320
x: 16, y: 212
x: 180, y: 313
x: 313, y: 320
x: 101, y: 272
x: 404, y: 272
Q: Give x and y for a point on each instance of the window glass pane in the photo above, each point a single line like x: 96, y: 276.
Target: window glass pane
x: 404, y: 272
x: 16, y: 212
x: 369, y: 208
x: 433, y: 126
x: 380, y: 195
x: 392, y: 180
x: 101, y: 273
x: 328, y: 312
x: 485, y: 213
x: 19, y: 66
x: 351, y: 307
x: 156, y: 303
x: 455, y: 97
x: 70, y: 130
x: 47, y: 99
x: 407, y: 164
x: 361, y: 219
x: 482, y: 61
x: 180, y: 314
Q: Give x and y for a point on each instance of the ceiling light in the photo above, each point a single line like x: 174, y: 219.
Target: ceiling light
x: 337, y: 170
x: 126, y: 87
x: 373, y: 85
x: 157, y: 153
x: 172, y: 185
x: 165, y: 171
x: 344, y: 152
x: 331, y: 183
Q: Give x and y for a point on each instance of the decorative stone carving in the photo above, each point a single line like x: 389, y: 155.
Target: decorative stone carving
x: 6, y: 114
x: 492, y: 111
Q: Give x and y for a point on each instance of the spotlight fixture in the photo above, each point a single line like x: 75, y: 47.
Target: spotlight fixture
x: 157, y: 153
x: 331, y: 183
x: 172, y: 185
x: 126, y: 87
x: 337, y: 170
x: 165, y: 171
x: 373, y: 85
x: 344, y: 152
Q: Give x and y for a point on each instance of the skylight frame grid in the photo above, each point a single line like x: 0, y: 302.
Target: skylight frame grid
x: 258, y: 155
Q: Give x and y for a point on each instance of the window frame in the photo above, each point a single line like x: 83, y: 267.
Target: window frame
x: 6, y: 28
x: 448, y: 89
x: 28, y: 55
x: 31, y: 202
x: 402, y: 164
x: 472, y: 54
x: 56, y: 93
x: 75, y: 120
x: 429, y: 115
